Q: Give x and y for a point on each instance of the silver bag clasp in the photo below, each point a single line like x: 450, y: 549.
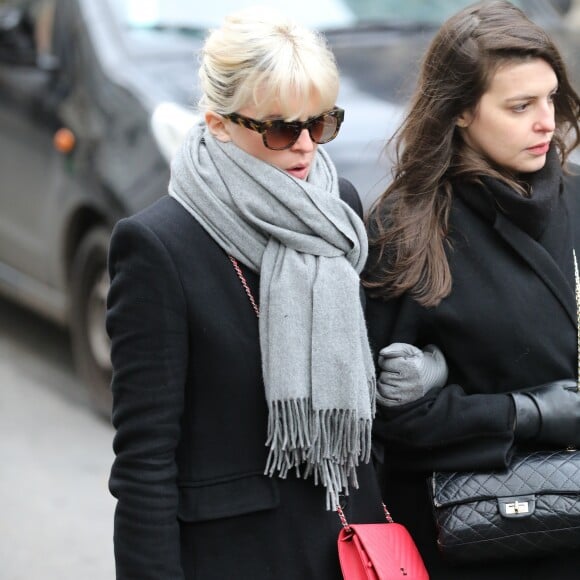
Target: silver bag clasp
x: 517, y: 507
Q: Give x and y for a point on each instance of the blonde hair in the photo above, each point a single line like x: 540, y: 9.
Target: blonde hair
x: 260, y: 57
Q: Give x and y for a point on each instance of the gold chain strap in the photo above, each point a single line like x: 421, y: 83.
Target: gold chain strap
x: 346, y: 525
x: 245, y: 284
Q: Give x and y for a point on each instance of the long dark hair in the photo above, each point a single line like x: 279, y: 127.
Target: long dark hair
x: 408, y: 223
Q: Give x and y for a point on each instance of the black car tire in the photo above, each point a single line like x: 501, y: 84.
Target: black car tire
x: 90, y: 343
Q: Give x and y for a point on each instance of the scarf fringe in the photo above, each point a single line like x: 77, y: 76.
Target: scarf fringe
x: 329, y: 444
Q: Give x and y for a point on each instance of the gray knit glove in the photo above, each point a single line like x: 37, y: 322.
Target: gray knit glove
x: 407, y: 373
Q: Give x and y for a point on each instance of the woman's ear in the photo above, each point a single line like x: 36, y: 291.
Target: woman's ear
x: 217, y: 126
x: 464, y: 120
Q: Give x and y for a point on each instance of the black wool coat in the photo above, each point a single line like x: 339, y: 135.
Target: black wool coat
x: 509, y: 323
x: 190, y: 413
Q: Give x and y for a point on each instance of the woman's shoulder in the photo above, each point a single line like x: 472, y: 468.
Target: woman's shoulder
x: 162, y: 213
x: 349, y: 194
x: 165, y: 218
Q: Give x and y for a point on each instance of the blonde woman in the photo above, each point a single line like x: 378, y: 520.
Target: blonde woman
x: 243, y: 382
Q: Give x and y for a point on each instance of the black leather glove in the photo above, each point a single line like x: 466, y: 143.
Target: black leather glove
x: 549, y: 413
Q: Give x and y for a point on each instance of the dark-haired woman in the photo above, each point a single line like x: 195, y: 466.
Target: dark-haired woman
x: 472, y: 250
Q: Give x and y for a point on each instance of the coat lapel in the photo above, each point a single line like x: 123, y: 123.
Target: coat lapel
x: 541, y: 263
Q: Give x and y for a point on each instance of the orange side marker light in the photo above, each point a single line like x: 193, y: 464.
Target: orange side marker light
x: 64, y: 140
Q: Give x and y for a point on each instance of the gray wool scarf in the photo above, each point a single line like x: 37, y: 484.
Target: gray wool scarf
x: 308, y: 247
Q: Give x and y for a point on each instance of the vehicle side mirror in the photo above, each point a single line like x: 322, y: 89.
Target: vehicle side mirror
x: 17, y: 44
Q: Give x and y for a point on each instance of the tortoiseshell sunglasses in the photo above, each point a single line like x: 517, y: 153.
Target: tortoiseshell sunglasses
x: 278, y: 135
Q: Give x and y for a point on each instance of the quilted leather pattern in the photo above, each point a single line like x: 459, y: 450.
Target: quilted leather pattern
x: 379, y: 552
x: 467, y: 508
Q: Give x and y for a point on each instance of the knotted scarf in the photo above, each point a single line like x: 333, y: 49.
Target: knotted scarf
x: 308, y: 247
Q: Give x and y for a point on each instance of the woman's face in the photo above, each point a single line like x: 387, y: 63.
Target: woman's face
x: 514, y: 121
x: 296, y: 160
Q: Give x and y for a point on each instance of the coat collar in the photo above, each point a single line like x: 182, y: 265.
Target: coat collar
x: 492, y: 202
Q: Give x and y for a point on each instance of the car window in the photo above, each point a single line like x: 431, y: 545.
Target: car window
x: 166, y: 14
x: 144, y: 23
x: 322, y: 14
x: 26, y: 31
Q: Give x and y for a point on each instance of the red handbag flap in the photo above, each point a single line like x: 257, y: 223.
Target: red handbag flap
x: 387, y: 552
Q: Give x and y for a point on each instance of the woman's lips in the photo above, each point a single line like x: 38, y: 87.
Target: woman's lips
x: 540, y: 149
x: 300, y: 171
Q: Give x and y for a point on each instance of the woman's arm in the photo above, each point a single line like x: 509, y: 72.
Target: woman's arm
x: 446, y: 429
x: 147, y: 325
x: 407, y: 373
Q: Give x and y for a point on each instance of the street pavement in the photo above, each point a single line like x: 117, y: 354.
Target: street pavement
x: 55, y: 454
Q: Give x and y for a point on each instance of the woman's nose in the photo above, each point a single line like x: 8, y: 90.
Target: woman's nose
x: 546, y: 121
x: 304, y: 141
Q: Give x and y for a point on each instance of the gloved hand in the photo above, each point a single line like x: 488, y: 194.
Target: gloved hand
x: 549, y: 413
x: 407, y: 373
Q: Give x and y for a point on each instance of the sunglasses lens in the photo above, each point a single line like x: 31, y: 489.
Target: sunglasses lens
x: 324, y: 128
x: 281, y: 135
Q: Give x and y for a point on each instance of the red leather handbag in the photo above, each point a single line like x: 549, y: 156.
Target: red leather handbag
x: 378, y: 551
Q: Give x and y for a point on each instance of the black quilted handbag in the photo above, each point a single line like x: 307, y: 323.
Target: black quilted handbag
x: 529, y: 509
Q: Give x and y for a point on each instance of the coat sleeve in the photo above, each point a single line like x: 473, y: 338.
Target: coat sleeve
x: 147, y: 325
x: 447, y: 429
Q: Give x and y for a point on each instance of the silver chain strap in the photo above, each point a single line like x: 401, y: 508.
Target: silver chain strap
x: 577, y: 283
